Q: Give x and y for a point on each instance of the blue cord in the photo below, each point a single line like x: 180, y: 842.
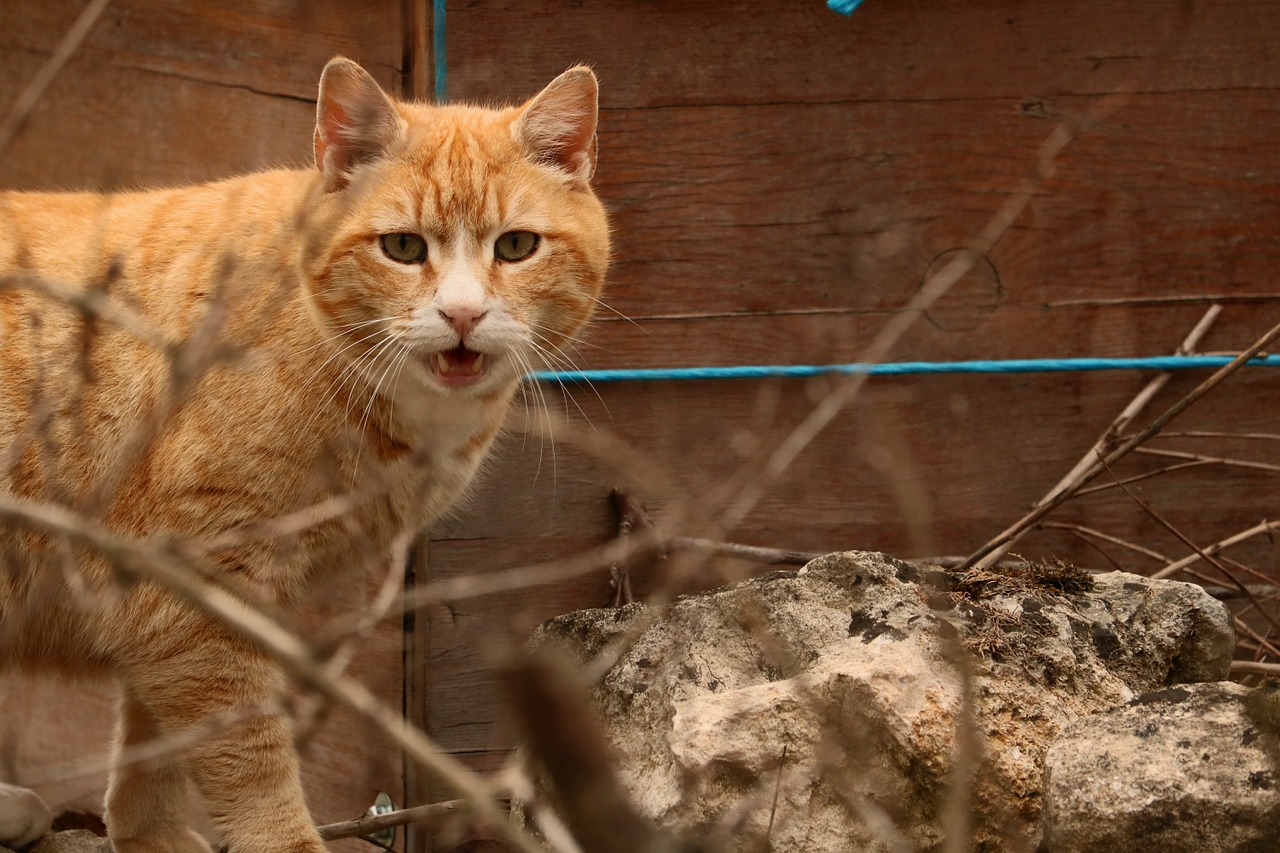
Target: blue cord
x: 1017, y: 365
x: 437, y: 49
x: 844, y: 7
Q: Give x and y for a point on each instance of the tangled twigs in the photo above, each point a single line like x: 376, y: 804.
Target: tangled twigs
x: 1074, y: 479
x: 1211, y: 560
x: 1216, y: 548
x: 1018, y: 528
x: 632, y: 517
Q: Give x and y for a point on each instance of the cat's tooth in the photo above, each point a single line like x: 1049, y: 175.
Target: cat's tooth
x: 442, y: 363
x: 479, y: 363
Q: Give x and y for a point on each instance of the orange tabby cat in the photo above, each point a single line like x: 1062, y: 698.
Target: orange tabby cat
x: 289, y: 335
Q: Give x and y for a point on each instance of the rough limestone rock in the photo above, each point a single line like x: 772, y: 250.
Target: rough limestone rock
x: 839, y: 689
x: 1186, y: 769
x: 69, y: 841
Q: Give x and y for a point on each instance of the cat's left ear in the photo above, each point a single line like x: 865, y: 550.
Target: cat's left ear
x: 558, y: 127
x: 355, y: 122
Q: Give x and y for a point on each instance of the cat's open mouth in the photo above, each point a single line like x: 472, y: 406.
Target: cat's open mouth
x: 458, y: 366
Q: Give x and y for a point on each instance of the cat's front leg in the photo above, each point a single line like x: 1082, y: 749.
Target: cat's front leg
x: 147, y: 800
x: 247, y: 773
x: 24, y: 817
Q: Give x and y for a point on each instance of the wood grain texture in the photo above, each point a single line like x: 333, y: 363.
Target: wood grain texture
x: 165, y: 93
x: 782, y: 180
x: 705, y: 52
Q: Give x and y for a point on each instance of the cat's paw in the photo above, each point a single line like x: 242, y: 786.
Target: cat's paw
x: 24, y: 818
x: 180, y: 841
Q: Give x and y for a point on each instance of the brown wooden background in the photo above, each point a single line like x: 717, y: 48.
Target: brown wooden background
x: 781, y: 179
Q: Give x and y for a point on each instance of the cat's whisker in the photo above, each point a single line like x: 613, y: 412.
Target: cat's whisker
x: 549, y: 434
x: 606, y: 306
x: 334, y: 355
x: 558, y: 360
x: 573, y: 344
x: 392, y: 342
x: 350, y: 373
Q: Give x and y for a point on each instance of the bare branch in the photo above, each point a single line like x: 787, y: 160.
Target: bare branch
x: 1076, y: 477
x: 154, y: 564
x: 1207, y: 460
x: 369, y: 824
x: 1221, y: 374
x: 1216, y: 548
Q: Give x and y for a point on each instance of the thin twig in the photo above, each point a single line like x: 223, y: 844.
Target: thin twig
x: 1210, y: 433
x: 752, y: 553
x: 295, y: 656
x: 1105, y: 537
x: 1263, y: 643
x: 369, y: 824
x: 1227, y: 573
x: 1138, y: 478
x: 1208, y: 460
x: 1249, y: 667
x: 777, y: 792
x: 1213, y: 550
x: 750, y: 492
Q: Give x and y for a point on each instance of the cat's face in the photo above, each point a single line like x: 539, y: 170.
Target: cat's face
x: 468, y: 246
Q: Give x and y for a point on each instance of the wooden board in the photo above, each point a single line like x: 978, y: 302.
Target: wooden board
x: 781, y: 181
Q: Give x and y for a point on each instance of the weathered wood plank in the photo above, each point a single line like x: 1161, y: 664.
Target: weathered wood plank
x: 845, y: 207
x: 275, y: 48
x: 958, y: 328
x: 172, y: 93
x: 705, y: 52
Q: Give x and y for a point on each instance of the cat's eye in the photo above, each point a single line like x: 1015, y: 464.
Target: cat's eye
x: 515, y: 245
x: 405, y: 248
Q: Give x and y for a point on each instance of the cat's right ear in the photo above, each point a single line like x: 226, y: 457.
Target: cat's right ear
x: 355, y: 122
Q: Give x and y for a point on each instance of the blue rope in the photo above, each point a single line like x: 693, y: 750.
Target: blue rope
x: 1017, y: 365
x: 437, y: 50
x: 844, y: 7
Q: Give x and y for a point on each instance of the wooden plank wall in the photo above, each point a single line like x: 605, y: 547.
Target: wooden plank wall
x: 781, y: 181
x: 163, y: 93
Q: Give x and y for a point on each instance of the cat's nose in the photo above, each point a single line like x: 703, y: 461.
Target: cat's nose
x: 463, y: 318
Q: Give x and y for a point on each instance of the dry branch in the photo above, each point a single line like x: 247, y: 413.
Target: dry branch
x: 1072, y: 482
x: 1208, y: 460
x: 1089, y: 532
x: 1217, y: 564
x: 1018, y: 528
x: 369, y: 824
x: 1249, y: 667
x: 1216, y: 548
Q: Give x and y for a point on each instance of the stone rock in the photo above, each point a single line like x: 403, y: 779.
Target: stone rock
x: 837, y: 692
x: 1186, y: 769
x: 69, y: 841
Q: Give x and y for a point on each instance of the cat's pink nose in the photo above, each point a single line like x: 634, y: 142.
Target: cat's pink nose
x: 462, y: 318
